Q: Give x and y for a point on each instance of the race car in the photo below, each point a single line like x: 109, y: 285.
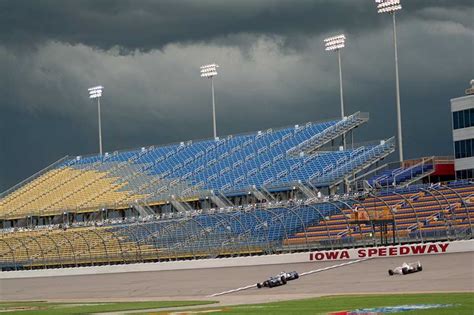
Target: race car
x: 292, y: 275
x: 272, y: 282
x: 405, y: 269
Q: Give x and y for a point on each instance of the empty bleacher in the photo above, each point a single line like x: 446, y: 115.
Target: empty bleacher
x: 263, y: 159
x: 188, y: 235
x: 68, y: 247
x: 420, y: 213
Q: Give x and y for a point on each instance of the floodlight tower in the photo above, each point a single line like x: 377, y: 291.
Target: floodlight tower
x: 210, y: 71
x: 336, y: 43
x: 392, y: 6
x: 96, y: 92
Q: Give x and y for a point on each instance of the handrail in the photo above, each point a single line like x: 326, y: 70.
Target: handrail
x: 422, y: 163
x: 35, y: 175
x: 330, y: 133
x: 388, y: 144
x: 368, y: 173
x: 193, y: 141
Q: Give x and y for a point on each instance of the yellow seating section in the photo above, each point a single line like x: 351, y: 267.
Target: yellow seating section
x: 65, y: 189
x: 74, y: 246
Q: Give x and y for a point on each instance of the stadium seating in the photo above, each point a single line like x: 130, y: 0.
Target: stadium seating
x: 63, y: 189
x: 423, y: 212
x: 358, y: 159
x: 197, y: 234
x: 242, y: 231
x: 394, y: 177
x: 69, y: 247
x: 262, y: 159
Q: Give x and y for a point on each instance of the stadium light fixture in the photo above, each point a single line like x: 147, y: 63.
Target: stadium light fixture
x: 388, y: 6
x: 392, y: 6
x: 336, y: 43
x: 96, y: 92
x: 209, y: 72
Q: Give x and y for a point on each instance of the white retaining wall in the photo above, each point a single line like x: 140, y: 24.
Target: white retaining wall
x: 330, y: 255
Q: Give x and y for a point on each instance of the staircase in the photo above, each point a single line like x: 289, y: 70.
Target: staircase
x: 340, y: 128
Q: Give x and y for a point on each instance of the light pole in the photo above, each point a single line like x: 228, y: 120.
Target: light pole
x: 210, y: 71
x: 96, y: 92
x: 392, y: 6
x: 336, y: 43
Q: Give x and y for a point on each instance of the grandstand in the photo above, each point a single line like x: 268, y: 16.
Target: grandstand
x: 187, y: 170
x: 272, y: 191
x: 422, y: 213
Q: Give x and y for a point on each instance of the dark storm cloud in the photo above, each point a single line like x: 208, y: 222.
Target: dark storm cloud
x: 150, y: 24
x: 273, y: 72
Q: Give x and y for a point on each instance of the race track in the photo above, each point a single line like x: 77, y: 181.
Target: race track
x: 442, y: 273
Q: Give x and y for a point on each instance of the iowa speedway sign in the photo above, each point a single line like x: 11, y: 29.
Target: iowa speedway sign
x: 315, y: 256
x: 389, y: 251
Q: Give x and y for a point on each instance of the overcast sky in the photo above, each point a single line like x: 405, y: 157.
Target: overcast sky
x: 273, y: 71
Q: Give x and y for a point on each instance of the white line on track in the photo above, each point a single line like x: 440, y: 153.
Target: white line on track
x: 333, y: 266
x: 301, y: 275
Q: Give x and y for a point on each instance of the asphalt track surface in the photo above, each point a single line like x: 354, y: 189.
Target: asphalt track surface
x: 441, y: 273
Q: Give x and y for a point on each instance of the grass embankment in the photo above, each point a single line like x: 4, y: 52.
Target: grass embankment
x: 45, y: 308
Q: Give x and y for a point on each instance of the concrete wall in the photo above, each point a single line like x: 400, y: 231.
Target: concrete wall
x: 334, y: 255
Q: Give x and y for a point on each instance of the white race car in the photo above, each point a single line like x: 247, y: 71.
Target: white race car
x: 405, y: 269
x: 292, y: 275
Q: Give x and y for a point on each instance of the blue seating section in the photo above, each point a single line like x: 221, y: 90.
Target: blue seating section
x: 234, y: 163
x: 399, y: 175
x: 355, y: 161
x: 227, y: 231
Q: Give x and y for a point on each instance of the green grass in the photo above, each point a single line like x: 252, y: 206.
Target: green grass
x: 464, y: 304
x: 45, y: 308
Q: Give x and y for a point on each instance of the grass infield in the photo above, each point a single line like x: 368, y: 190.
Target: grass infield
x: 45, y: 308
x: 463, y: 303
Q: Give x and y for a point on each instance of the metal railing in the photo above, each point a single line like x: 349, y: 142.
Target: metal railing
x: 295, y: 225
